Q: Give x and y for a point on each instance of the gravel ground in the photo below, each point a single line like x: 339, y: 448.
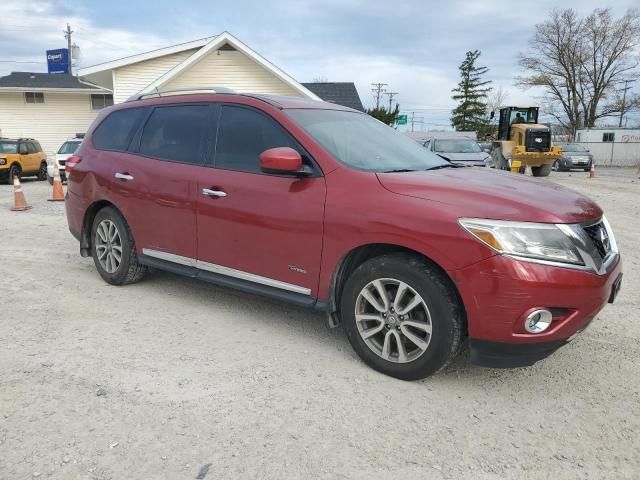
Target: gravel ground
x: 173, y: 378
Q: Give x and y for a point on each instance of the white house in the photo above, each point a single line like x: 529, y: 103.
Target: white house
x: 49, y: 108
x: 62, y: 105
x: 613, y: 146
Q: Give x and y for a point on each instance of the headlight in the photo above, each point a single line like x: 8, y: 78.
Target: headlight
x: 3, y: 161
x: 541, y: 242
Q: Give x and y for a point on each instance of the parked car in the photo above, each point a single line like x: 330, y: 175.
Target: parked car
x: 67, y: 149
x: 574, y: 156
x: 325, y: 207
x: 20, y: 158
x: 465, y: 151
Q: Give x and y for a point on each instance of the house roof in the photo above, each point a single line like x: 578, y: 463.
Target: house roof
x: 36, y: 81
x: 141, y: 57
x: 203, y: 46
x: 342, y: 93
x: 225, y: 38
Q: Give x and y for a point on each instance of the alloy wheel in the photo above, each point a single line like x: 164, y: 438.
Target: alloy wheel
x: 108, y: 246
x: 393, y: 320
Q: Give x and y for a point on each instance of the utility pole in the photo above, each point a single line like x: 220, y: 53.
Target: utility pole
x: 378, y: 89
x: 624, y: 99
x: 391, y: 95
x: 67, y: 35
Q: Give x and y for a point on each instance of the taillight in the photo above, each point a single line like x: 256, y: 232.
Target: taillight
x: 72, y: 162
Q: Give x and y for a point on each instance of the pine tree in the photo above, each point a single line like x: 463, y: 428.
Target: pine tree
x: 471, y: 95
x: 384, y: 115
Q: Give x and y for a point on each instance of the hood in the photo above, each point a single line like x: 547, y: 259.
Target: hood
x: 495, y: 194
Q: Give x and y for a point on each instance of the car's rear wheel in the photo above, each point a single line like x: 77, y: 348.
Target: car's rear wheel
x: 114, y: 250
x: 42, y: 173
x: 14, y: 172
x: 402, y: 316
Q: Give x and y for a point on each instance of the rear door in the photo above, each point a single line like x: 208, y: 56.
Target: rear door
x: 259, y: 227
x: 156, y: 182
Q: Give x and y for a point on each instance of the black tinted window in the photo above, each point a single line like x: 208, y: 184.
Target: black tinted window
x: 176, y: 133
x: 243, y: 135
x: 31, y: 148
x: 115, y: 132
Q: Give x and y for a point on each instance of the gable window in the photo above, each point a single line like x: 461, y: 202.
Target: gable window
x: 100, y: 101
x: 608, y: 137
x: 34, y: 97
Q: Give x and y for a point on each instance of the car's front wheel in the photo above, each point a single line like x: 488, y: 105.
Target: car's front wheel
x: 114, y: 250
x: 402, y: 316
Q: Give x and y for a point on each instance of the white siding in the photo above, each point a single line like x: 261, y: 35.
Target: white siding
x: 232, y: 69
x: 61, y: 116
x: 131, y: 79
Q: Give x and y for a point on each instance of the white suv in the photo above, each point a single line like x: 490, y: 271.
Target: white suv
x: 67, y: 149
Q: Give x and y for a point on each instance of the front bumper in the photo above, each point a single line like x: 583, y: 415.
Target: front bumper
x: 500, y: 292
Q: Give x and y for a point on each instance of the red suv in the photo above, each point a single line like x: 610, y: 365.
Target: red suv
x: 325, y: 207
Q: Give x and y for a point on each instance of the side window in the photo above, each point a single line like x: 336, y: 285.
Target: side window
x: 23, y: 149
x: 243, y: 134
x: 427, y: 144
x: 176, y: 133
x: 31, y: 148
x: 115, y: 131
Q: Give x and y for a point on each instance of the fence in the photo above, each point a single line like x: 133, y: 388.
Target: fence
x: 614, y: 154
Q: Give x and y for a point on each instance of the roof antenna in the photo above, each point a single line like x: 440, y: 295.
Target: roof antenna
x: 157, y: 91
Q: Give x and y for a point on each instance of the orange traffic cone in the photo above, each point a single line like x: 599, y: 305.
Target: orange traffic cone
x: 592, y: 172
x: 58, y: 193
x: 19, y: 202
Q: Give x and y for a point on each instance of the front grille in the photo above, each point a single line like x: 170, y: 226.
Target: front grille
x: 537, y: 140
x: 600, y: 238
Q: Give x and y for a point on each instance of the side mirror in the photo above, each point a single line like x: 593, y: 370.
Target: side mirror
x: 283, y: 160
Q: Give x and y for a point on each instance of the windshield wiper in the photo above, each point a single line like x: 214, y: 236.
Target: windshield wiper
x: 444, y: 165
x: 399, y: 170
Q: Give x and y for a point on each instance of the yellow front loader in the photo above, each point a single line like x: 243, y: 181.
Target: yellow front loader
x: 523, y: 142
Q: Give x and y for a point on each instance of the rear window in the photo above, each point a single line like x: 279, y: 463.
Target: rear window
x: 115, y: 131
x: 176, y: 133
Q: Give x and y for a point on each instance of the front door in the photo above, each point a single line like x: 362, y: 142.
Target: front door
x: 258, y: 227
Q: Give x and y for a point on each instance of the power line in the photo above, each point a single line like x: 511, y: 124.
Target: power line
x: 391, y: 95
x: 378, y: 90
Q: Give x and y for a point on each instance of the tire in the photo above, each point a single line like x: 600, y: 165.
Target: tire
x: 42, y: 173
x: 556, y: 167
x: 105, y: 244
x: 587, y: 169
x: 542, y: 171
x: 440, y: 309
x: 14, y: 171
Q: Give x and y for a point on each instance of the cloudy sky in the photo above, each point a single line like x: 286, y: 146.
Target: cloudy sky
x: 413, y: 46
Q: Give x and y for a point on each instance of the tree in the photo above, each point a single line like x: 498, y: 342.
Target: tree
x: 497, y: 99
x: 581, y: 64
x: 471, y: 95
x: 384, y: 115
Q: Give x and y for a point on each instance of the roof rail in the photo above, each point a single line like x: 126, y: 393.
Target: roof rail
x: 180, y: 91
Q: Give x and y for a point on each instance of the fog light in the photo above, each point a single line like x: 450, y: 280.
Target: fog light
x: 538, y: 321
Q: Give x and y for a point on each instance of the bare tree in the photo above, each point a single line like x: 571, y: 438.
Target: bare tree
x: 581, y: 63
x: 497, y: 99
x: 320, y: 79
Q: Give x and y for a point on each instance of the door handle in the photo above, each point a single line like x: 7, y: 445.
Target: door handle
x: 213, y: 193
x: 124, y: 176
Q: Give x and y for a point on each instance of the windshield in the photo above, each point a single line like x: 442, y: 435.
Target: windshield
x: 359, y: 141
x: 8, y: 147
x: 456, y: 145
x: 573, y: 147
x: 68, y: 148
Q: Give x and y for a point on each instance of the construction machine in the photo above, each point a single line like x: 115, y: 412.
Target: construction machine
x: 523, y: 142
